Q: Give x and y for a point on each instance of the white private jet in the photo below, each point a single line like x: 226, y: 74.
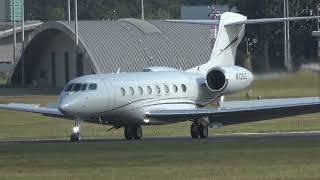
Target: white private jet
x: 162, y: 95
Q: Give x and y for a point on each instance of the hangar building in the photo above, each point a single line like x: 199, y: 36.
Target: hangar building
x: 6, y: 42
x: 51, y: 58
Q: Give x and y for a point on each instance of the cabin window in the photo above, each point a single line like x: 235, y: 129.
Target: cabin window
x: 158, y: 90
x: 69, y: 87
x: 84, y: 87
x: 92, y: 86
x: 66, y: 87
x: 149, y: 90
x: 76, y: 87
x: 175, y: 88
x: 140, y: 90
x: 166, y: 89
x: 131, y: 91
x: 184, y: 88
x: 123, y: 91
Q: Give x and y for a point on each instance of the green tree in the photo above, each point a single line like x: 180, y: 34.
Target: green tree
x: 56, y: 14
x: 270, y: 49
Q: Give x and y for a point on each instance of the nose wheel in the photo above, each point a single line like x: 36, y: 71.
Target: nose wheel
x: 75, y: 135
x: 133, y: 132
x: 199, y: 130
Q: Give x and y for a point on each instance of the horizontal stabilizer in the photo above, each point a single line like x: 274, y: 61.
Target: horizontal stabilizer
x: 204, y: 22
x: 273, y: 20
x: 249, y: 21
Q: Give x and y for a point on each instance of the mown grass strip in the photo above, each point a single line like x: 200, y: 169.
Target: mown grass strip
x: 260, y: 159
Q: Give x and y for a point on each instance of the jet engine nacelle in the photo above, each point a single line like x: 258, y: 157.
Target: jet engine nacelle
x: 228, y: 79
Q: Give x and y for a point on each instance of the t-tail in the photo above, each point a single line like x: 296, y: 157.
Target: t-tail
x: 226, y: 44
x: 231, y: 31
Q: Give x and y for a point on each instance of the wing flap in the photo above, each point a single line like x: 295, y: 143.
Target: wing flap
x: 249, y: 111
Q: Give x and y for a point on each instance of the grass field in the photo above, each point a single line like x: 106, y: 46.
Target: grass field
x: 20, y: 125
x: 302, y: 83
x: 243, y: 160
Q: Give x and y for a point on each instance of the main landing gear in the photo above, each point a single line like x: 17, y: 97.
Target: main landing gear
x: 199, y: 130
x: 75, y: 135
x: 133, y: 132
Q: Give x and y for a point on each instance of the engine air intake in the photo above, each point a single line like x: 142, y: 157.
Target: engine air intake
x: 216, y: 80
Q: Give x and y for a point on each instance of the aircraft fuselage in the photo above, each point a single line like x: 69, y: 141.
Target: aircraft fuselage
x: 126, y: 97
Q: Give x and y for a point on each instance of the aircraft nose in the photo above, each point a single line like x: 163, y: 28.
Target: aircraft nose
x: 68, y: 108
x: 65, y: 108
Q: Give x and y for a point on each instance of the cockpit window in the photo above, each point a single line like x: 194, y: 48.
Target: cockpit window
x: 68, y: 87
x: 84, y: 87
x: 92, y: 86
x: 76, y: 87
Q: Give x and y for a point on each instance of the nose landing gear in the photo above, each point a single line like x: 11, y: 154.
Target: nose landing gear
x: 75, y: 135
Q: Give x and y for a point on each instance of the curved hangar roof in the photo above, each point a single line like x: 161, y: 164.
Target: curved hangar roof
x: 129, y: 44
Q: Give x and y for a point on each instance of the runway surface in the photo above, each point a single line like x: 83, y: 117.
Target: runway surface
x: 314, y: 135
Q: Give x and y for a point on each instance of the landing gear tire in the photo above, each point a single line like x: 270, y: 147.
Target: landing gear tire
x: 203, y: 131
x: 133, y: 132
x: 128, y: 133
x: 138, y: 133
x: 194, y: 131
x: 199, y: 130
x: 75, y: 137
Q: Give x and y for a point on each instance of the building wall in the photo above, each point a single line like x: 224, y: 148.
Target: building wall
x: 42, y: 75
x: 87, y: 69
x: 2, y: 11
x: 6, y: 46
x: 8, y: 5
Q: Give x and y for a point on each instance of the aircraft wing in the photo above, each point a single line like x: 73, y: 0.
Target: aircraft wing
x: 34, y: 108
x: 237, y: 112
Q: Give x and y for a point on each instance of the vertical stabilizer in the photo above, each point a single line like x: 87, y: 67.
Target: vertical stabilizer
x: 228, y: 39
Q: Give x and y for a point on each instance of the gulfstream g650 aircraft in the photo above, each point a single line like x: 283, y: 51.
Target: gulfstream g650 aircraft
x: 164, y: 95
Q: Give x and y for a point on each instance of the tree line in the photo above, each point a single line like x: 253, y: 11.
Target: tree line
x: 268, y: 51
